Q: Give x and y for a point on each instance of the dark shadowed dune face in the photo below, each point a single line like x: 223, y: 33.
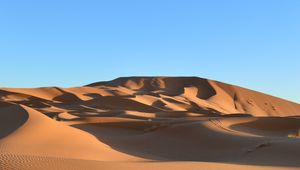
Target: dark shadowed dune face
x: 167, y: 85
x: 11, y: 118
x: 147, y: 122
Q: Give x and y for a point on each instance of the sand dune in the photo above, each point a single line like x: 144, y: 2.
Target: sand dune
x: 148, y: 123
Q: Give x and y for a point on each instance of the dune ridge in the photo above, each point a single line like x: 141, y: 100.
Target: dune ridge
x: 146, y: 122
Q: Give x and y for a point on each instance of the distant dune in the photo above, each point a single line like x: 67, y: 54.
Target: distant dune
x: 148, y: 123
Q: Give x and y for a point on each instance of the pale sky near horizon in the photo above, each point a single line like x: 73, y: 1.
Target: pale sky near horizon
x: 250, y: 43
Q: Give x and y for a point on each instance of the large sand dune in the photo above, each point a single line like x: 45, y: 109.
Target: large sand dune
x: 148, y: 123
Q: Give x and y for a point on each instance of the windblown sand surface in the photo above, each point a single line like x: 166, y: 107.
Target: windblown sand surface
x: 148, y: 123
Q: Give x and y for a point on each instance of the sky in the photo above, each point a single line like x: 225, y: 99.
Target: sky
x: 250, y: 43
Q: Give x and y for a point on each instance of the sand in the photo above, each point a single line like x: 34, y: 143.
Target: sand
x: 148, y: 123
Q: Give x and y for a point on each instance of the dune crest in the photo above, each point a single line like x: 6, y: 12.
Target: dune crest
x: 146, y: 122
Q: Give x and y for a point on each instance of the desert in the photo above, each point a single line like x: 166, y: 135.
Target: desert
x: 148, y: 123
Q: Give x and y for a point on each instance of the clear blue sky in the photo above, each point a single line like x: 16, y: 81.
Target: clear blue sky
x: 251, y: 43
